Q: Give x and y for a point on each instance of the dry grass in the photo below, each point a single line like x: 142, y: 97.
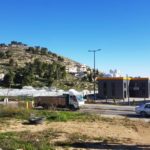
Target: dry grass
x: 65, y: 129
x: 118, y: 130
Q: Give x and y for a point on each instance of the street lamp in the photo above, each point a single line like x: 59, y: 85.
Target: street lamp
x: 128, y: 92
x: 94, y: 51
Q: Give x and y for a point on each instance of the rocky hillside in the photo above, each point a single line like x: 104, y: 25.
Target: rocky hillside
x: 22, y: 54
x: 37, y: 66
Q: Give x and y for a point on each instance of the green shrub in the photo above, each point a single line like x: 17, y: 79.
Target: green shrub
x: 11, y: 112
x: 63, y: 116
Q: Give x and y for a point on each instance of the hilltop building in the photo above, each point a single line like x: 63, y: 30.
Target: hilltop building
x: 74, y: 69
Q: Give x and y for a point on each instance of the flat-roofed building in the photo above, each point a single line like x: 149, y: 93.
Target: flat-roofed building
x: 121, y: 87
x: 112, y: 87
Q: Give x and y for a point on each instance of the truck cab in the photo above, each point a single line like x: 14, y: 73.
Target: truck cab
x: 75, y: 99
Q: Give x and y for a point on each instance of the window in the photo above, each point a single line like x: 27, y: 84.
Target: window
x: 147, y: 106
x: 125, y: 85
x: 73, y: 98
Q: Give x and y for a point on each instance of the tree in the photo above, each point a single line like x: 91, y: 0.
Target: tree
x: 63, y: 69
x: 85, y: 78
x: 38, y: 67
x: 90, y: 77
x: 49, y: 52
x: 50, y: 81
x: 54, y: 55
x: 96, y: 72
x: 24, y: 76
x: 8, y: 79
x: 18, y: 79
x: 27, y: 75
x: 3, y: 45
x: 2, y: 55
x: 8, y: 54
x: 30, y: 49
x: 37, y: 50
x: 14, y: 42
x: 101, y: 74
x: 49, y: 72
x: 44, y: 51
x: 27, y: 79
x: 12, y: 62
x: 60, y: 58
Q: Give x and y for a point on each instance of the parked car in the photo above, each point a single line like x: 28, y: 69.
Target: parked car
x: 143, y: 110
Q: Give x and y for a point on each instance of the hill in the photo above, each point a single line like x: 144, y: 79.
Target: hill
x: 38, y: 66
x: 23, y: 54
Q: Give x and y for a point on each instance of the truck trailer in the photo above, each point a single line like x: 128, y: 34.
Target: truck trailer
x: 71, y: 99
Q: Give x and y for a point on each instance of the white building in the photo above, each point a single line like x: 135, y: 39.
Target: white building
x: 83, y: 68
x: 2, y: 76
x: 72, y: 69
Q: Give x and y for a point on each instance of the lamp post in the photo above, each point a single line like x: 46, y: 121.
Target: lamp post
x: 94, y: 51
x: 127, y: 77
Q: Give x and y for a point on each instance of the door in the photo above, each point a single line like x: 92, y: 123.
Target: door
x: 73, y: 101
x: 125, y: 94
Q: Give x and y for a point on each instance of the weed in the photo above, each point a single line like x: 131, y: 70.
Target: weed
x: 28, y: 141
x: 60, y: 116
x: 129, y: 124
x: 77, y: 137
x: 10, y: 112
x: 107, y: 139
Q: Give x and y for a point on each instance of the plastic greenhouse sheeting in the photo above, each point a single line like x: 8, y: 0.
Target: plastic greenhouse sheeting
x: 30, y: 91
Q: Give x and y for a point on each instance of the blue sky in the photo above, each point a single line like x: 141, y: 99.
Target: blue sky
x: 121, y: 28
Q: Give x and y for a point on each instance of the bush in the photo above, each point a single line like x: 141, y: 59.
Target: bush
x: 11, y: 112
x: 9, y: 54
x: 2, y: 55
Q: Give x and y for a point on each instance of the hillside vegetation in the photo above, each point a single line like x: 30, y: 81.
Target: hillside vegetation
x: 37, y: 66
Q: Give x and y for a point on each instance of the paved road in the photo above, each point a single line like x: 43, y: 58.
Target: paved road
x: 108, y: 109
x: 112, y: 110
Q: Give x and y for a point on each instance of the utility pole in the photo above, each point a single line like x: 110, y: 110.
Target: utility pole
x: 94, y: 51
x: 128, y: 89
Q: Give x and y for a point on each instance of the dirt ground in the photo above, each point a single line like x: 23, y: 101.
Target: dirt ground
x: 121, y: 131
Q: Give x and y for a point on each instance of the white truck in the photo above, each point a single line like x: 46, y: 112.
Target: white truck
x: 71, y: 99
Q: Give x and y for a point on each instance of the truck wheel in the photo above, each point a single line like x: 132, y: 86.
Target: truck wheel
x: 143, y: 113
x: 72, y: 107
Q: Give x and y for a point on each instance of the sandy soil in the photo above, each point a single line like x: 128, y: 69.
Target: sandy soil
x: 134, y: 132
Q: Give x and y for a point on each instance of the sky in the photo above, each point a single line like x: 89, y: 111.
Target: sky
x: 120, y: 28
